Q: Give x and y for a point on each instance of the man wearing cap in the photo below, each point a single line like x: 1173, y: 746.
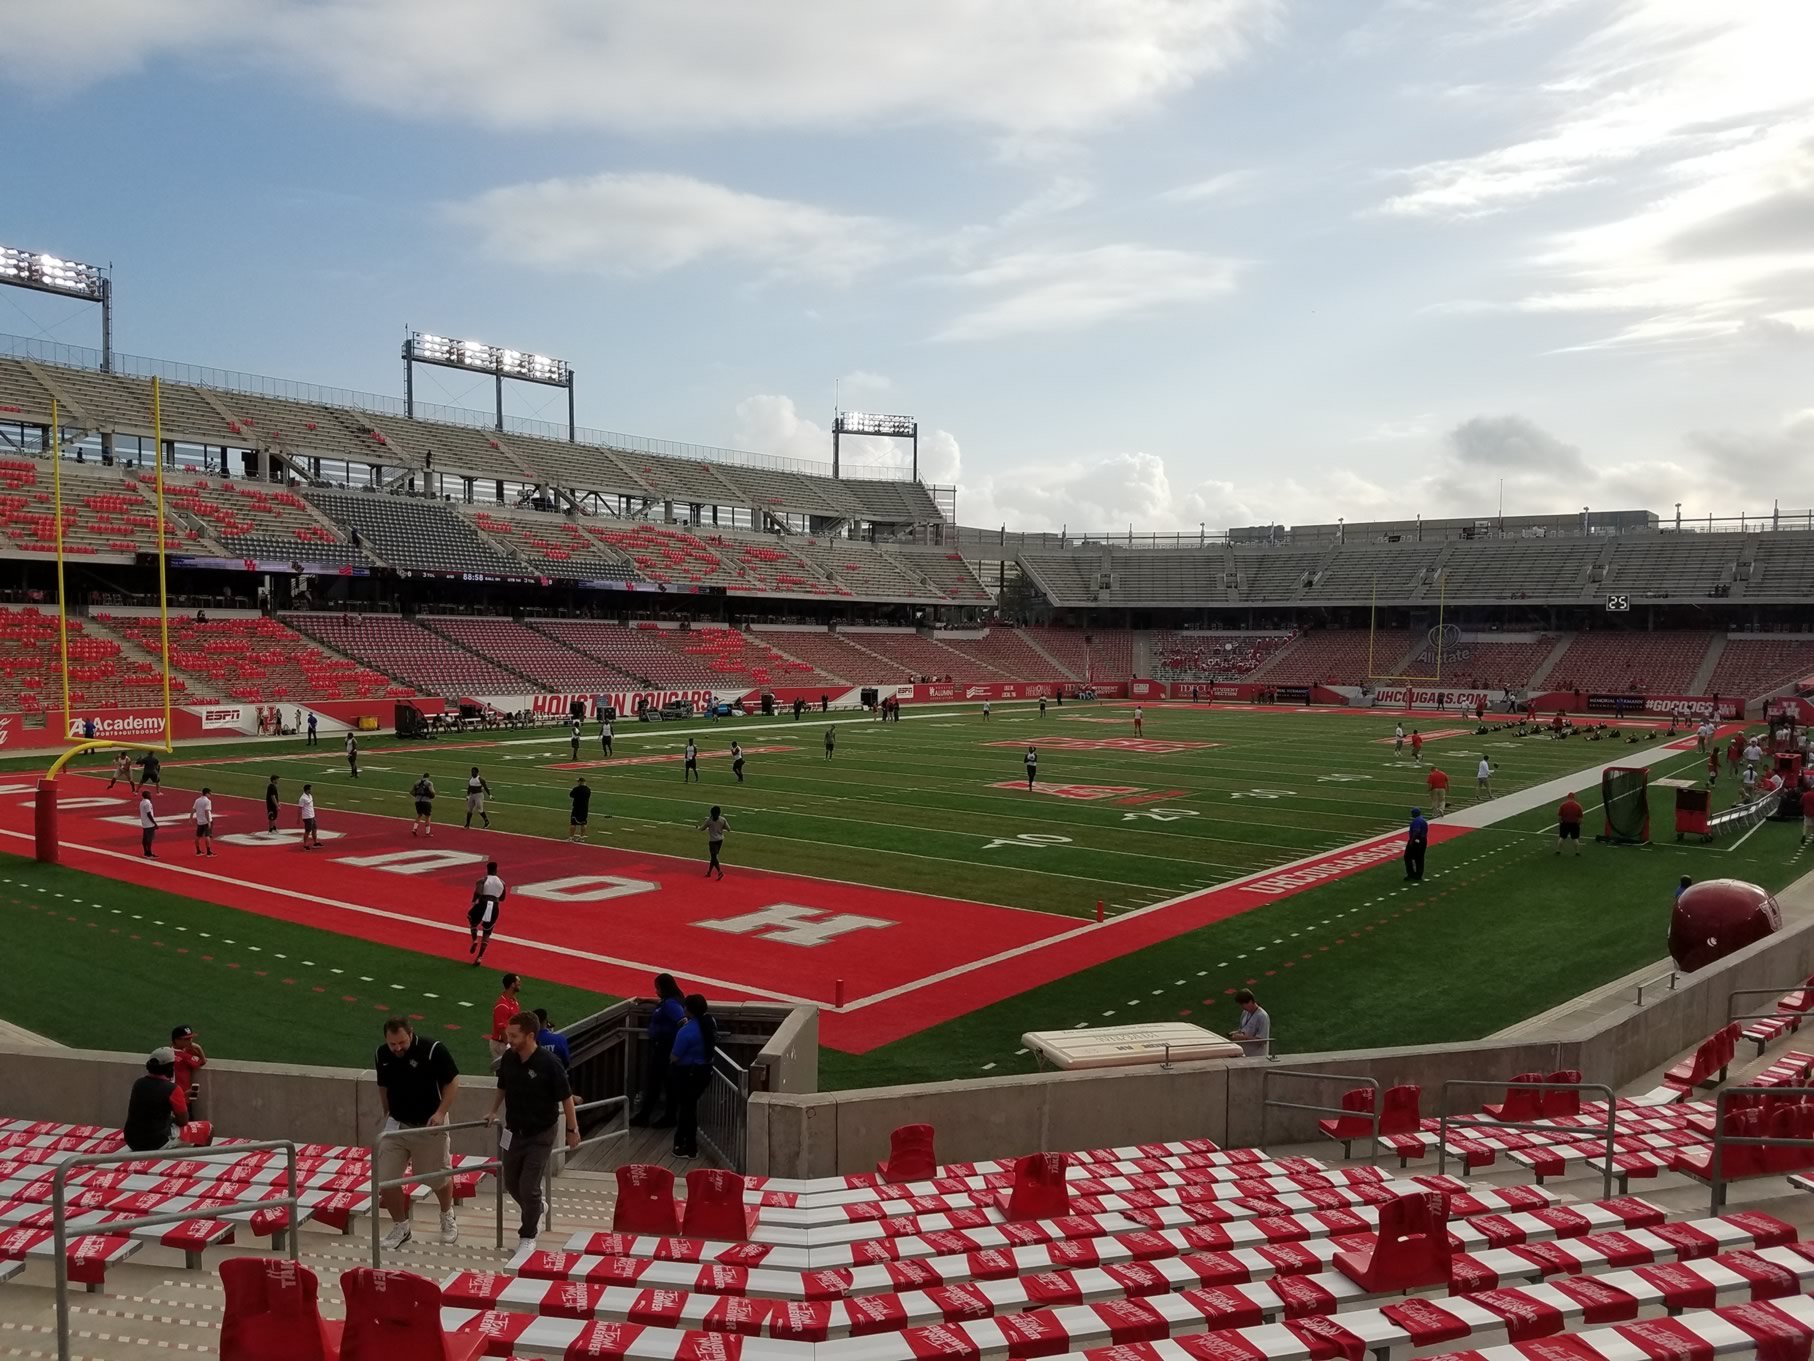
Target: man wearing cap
x: 417, y: 1083
x: 189, y: 1061
x: 1417, y: 841
x: 157, y: 1107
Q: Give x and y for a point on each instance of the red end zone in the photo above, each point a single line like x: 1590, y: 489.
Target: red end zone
x: 607, y: 919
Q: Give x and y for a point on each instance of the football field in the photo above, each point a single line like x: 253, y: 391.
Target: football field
x: 911, y: 884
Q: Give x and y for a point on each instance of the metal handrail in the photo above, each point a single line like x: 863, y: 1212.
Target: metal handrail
x: 1462, y: 1121
x: 492, y: 1167
x: 1716, y: 1180
x: 548, y: 1172
x: 1737, y: 993
x: 1672, y: 975
x: 1373, y: 1117
x: 59, y: 1207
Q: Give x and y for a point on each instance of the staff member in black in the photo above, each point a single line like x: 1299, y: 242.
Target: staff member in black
x: 536, y: 1099
x: 271, y: 806
x: 417, y: 1083
x: 581, y: 798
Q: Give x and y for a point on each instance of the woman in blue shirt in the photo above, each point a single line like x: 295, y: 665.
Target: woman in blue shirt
x: 692, y: 1070
x: 670, y: 1015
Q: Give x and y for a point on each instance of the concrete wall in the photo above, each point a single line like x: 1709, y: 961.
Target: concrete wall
x: 844, y: 1132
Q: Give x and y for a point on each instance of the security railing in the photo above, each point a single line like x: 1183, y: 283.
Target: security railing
x: 491, y: 1167
x: 291, y: 1201
x: 1608, y: 1131
x: 724, y: 1112
x: 1267, y: 1103
x: 562, y: 1151
x: 1671, y: 978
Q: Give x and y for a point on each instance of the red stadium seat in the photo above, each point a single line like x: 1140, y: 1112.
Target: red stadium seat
x: 1399, y: 1113
x: 272, y: 1313
x: 396, y: 1316
x: 1557, y: 1104
x: 1521, y: 1104
x: 645, y: 1201
x: 1411, y: 1249
x: 715, y: 1206
x: 1040, y: 1188
x: 910, y: 1156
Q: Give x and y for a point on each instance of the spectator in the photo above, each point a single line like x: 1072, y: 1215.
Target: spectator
x: 1683, y: 886
x: 669, y: 1015
x: 1417, y: 841
x: 691, y: 1067
x: 552, y: 1040
x: 1438, y: 781
x: 190, y: 1060
x: 1254, y: 1033
x: 417, y: 1083
x: 534, y: 1095
x: 501, y: 1012
x: 157, y: 1107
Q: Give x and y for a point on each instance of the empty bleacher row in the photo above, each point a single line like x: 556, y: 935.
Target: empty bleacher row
x: 411, y: 654
x: 254, y: 660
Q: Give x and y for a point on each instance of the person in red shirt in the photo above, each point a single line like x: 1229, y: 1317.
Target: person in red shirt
x: 1568, y: 823
x: 1713, y: 766
x: 1438, y: 781
x: 190, y: 1060
x: 1416, y: 746
x: 1735, y: 752
x: 502, y: 1010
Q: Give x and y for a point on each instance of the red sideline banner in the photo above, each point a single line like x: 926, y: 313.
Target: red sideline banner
x: 1243, y: 692
x: 1664, y: 706
x: 941, y: 693
x: 192, y: 721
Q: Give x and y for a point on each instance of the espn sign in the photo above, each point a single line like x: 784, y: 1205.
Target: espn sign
x: 225, y: 717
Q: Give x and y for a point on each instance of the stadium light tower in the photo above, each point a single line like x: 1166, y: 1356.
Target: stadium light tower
x: 67, y: 279
x: 477, y: 357
x: 871, y: 423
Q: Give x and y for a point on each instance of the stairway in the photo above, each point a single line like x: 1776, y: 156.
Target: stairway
x: 1541, y: 674
x: 1703, y: 676
x: 1058, y: 668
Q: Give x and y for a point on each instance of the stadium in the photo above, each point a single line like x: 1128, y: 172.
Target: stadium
x: 1375, y: 938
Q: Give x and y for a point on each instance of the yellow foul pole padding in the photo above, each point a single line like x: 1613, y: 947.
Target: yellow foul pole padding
x: 163, y: 582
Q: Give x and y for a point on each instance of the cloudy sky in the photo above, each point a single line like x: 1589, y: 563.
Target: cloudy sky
x: 1159, y: 262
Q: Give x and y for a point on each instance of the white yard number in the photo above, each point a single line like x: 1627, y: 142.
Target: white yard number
x: 1343, y: 779
x: 1161, y: 814
x: 1036, y: 841
x: 1262, y: 794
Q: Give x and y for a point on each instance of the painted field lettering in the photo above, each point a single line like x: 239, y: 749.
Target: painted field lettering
x: 791, y: 924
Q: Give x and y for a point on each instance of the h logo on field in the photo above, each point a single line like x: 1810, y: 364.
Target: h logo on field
x: 791, y: 924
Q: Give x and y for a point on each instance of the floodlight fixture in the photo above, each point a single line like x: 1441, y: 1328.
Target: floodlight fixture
x: 874, y: 423
x: 475, y: 356
x: 46, y: 273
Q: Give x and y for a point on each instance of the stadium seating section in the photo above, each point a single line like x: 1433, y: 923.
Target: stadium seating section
x: 103, y: 512
x: 103, y: 673
x: 1212, y: 656
x: 254, y: 660
x: 1756, y: 666
x: 1625, y: 662
x: 411, y: 654
x: 257, y: 520
x: 414, y: 534
x: 1345, y: 657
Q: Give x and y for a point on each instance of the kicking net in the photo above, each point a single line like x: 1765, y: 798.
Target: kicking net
x: 1625, y: 797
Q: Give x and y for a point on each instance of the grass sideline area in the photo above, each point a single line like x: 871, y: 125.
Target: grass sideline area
x: 1502, y: 928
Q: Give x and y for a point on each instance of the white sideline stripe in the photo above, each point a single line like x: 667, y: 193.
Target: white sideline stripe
x: 1500, y: 808
x: 318, y: 900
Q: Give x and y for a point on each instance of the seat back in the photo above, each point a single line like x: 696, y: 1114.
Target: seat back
x: 715, y: 1207
x: 910, y: 1156
x: 1521, y: 1103
x: 645, y: 1201
x: 1411, y: 1249
x: 1562, y: 1103
x: 1399, y: 1112
x: 1040, y: 1189
x: 272, y: 1313
x: 1354, y: 1126
x: 391, y: 1316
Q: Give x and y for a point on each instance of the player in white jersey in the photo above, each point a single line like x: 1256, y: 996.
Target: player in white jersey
x: 482, y: 917
x: 305, y: 805
x: 202, y: 814
x: 1032, y: 760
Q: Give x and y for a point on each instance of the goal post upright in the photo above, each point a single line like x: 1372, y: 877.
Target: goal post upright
x: 45, y: 821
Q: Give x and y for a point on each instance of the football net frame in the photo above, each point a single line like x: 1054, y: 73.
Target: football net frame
x: 46, y: 815
x: 1625, y: 801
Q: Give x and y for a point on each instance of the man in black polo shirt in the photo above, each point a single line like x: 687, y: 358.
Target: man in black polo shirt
x: 157, y: 1106
x: 535, y: 1096
x: 417, y: 1082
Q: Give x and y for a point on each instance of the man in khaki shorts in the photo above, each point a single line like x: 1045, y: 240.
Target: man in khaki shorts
x: 417, y: 1082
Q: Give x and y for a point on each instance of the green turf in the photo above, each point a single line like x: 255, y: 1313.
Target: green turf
x: 1500, y: 931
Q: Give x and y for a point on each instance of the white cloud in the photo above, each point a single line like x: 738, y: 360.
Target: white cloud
x: 1214, y: 187
x: 1040, y: 292
x: 1017, y: 66
x: 1697, y: 120
x: 647, y: 223
x: 862, y: 380
x: 1754, y: 460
